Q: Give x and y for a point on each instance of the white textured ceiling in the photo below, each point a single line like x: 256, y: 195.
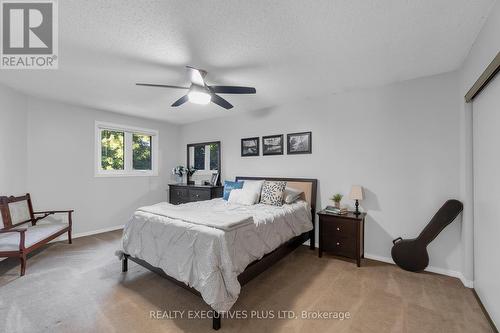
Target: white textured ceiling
x: 288, y: 50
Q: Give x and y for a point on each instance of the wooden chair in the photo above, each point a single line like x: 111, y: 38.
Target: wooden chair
x: 20, y: 232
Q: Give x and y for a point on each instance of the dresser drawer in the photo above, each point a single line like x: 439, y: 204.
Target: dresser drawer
x: 179, y: 193
x: 184, y: 193
x: 341, y: 246
x: 199, y: 194
x: 338, y: 228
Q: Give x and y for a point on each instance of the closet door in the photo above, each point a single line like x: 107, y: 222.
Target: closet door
x: 486, y: 136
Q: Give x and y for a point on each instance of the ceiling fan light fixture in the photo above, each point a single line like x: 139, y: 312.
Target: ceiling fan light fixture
x: 199, y: 97
x: 201, y: 93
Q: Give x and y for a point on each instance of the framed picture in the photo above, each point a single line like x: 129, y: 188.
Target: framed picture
x: 214, y: 179
x: 272, y: 145
x: 299, y: 143
x: 250, y: 147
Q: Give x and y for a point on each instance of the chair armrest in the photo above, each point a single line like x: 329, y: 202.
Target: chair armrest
x: 50, y: 212
x: 22, y: 236
x: 55, y: 211
x: 13, y: 230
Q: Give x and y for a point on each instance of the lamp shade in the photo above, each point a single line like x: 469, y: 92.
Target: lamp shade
x: 356, y: 193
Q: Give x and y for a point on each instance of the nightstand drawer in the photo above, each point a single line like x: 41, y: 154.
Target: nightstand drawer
x: 339, y: 228
x: 341, y: 246
x: 198, y: 194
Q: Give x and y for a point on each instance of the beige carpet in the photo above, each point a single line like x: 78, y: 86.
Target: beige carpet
x: 80, y: 288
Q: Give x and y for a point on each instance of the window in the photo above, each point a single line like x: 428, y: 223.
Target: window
x: 125, y: 151
x: 199, y: 157
x: 141, y: 151
x: 214, y: 156
x: 112, y: 147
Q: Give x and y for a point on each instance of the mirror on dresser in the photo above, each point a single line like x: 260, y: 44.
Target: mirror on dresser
x: 205, y: 158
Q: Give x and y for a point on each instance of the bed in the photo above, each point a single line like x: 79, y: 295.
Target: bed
x: 212, y: 248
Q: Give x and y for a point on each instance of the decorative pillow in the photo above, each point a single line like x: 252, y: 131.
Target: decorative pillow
x: 254, y: 186
x: 272, y: 193
x: 242, y: 197
x: 292, y: 194
x: 229, y: 186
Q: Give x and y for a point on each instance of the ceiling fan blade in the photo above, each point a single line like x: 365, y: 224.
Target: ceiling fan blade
x: 233, y: 90
x: 196, y: 76
x: 221, y: 102
x: 181, y: 100
x: 160, y: 85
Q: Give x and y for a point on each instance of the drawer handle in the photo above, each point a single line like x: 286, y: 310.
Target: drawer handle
x: 338, y: 243
x: 338, y: 229
x: 197, y: 195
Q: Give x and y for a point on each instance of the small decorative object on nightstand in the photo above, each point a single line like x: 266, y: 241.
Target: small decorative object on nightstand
x: 342, y: 235
x: 337, y: 198
x: 356, y: 194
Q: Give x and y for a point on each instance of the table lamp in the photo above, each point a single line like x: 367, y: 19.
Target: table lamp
x: 356, y: 194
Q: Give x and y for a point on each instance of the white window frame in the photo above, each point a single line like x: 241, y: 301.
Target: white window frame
x: 128, y: 170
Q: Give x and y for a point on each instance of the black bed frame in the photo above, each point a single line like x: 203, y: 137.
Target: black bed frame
x: 258, y: 266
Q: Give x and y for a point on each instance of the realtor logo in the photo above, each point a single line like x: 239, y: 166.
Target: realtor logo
x: 29, y: 34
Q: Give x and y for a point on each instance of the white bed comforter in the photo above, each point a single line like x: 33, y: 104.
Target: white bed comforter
x: 206, y: 257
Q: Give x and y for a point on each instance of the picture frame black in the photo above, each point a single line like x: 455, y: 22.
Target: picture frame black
x: 247, y: 151
x: 214, y: 179
x: 302, y: 147
x: 272, y: 145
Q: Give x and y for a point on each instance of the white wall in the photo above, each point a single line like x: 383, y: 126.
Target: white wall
x: 61, y: 166
x: 401, y: 142
x: 13, y: 142
x: 483, y: 51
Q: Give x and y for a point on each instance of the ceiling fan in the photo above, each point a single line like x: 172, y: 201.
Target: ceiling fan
x: 201, y: 93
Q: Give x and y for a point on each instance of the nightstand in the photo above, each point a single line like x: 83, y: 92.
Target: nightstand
x: 342, y: 235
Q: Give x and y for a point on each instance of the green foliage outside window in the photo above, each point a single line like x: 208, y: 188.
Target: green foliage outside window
x: 112, y: 148
x: 214, y: 156
x: 141, y: 151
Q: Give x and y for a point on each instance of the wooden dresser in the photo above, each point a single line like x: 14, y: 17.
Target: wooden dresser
x: 342, y: 235
x: 183, y: 193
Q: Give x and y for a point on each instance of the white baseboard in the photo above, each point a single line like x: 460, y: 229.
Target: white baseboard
x: 437, y: 270
x: 88, y: 233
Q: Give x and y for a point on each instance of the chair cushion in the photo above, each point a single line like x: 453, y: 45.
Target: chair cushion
x: 10, y: 241
x: 19, y: 211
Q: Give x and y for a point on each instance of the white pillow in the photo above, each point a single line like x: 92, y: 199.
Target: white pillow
x: 242, y: 197
x: 254, y: 186
x: 291, y: 194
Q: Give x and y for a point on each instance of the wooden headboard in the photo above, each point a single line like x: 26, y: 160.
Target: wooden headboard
x: 309, y: 186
